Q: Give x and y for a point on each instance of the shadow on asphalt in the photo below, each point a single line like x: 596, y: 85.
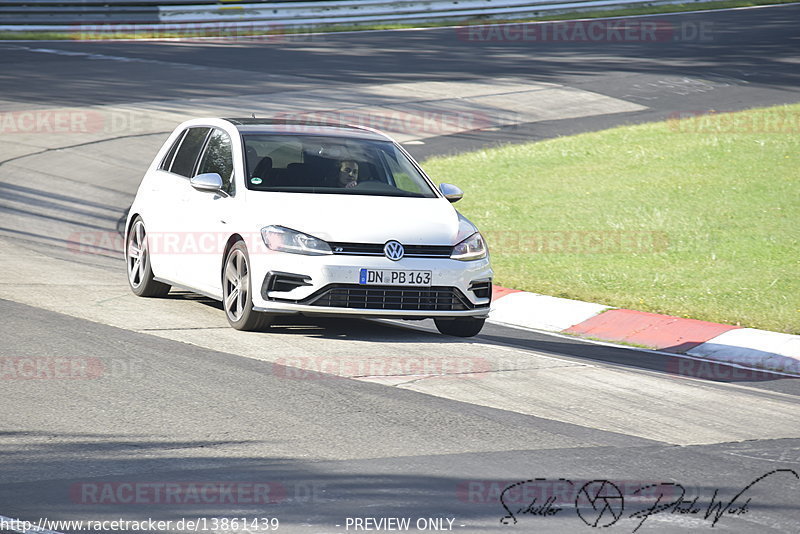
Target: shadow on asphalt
x: 676, y: 366
x: 369, y: 330
x: 323, y: 494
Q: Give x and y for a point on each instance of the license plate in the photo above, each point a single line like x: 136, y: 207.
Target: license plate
x: 385, y: 277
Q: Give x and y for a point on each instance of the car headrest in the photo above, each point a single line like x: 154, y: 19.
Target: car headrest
x: 262, y: 169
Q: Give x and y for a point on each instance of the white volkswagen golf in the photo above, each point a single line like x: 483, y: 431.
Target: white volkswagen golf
x: 276, y: 218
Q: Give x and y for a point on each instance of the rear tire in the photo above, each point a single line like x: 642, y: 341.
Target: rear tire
x: 237, y: 291
x: 137, y: 260
x: 461, y: 327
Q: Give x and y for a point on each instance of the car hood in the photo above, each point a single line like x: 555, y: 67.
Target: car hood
x: 358, y: 218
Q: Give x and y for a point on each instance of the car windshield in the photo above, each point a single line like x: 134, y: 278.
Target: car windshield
x: 319, y: 164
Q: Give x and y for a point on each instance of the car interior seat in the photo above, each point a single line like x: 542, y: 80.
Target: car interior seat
x: 263, y: 168
x: 252, y: 158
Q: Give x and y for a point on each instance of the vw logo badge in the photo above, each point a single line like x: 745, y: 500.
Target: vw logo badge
x: 393, y: 250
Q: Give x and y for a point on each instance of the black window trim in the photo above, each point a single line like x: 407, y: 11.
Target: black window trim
x: 246, y: 164
x: 199, y: 153
x: 177, y: 146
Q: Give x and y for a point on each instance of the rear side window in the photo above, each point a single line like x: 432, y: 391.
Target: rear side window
x: 187, y: 153
x: 218, y: 158
x: 166, y: 163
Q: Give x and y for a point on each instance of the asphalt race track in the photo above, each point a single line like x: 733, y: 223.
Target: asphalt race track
x: 137, y: 405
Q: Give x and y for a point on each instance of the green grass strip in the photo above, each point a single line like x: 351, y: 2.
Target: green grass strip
x: 697, y: 217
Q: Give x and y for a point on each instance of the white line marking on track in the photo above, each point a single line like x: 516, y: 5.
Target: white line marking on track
x: 90, y: 55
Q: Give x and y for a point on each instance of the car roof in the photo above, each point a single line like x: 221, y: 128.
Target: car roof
x: 303, y: 127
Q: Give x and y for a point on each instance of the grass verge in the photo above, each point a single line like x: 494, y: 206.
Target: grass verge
x: 281, y: 33
x: 698, y: 217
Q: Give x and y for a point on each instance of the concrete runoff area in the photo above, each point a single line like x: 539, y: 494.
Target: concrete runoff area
x: 410, y: 111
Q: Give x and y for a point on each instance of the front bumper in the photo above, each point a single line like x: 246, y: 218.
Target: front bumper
x: 330, y: 286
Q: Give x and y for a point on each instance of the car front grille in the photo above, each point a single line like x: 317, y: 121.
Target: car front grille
x: 373, y: 249
x: 355, y: 296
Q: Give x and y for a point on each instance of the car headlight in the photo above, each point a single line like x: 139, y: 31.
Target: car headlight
x: 472, y: 248
x: 288, y: 240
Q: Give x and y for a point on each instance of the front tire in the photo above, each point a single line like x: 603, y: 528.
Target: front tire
x: 237, y: 291
x: 461, y: 327
x: 137, y: 259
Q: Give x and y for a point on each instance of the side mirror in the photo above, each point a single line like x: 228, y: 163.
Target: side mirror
x: 451, y: 192
x: 209, y: 181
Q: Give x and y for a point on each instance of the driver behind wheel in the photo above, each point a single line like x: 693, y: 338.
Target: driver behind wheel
x: 348, y: 173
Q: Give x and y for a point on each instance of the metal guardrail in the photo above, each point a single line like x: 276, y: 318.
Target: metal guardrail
x: 197, y: 15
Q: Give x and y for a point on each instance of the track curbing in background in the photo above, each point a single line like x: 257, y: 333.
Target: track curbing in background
x: 747, y: 347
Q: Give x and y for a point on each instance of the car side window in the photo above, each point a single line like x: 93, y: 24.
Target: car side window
x: 218, y: 158
x: 166, y: 163
x: 186, y: 156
